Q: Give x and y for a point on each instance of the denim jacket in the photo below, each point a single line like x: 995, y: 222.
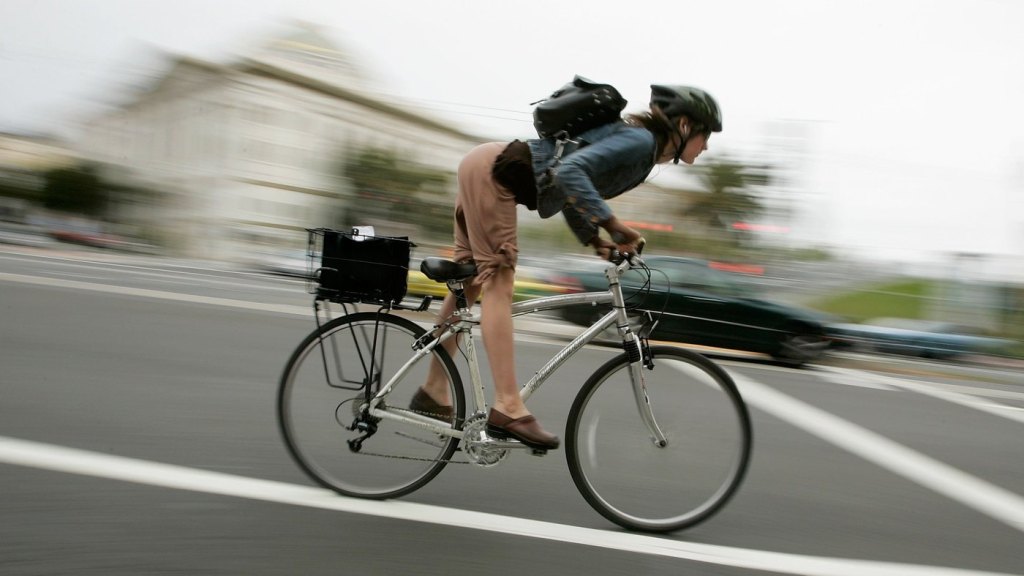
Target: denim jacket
x: 612, y: 159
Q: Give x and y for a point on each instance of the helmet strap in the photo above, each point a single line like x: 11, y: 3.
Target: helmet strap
x: 681, y: 145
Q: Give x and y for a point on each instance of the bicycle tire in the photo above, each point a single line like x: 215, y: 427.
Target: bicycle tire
x: 320, y: 390
x: 625, y: 476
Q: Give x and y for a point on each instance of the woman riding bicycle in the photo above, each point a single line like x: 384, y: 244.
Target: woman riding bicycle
x: 494, y: 177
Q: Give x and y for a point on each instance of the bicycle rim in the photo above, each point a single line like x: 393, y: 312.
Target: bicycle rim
x: 320, y: 393
x: 631, y: 481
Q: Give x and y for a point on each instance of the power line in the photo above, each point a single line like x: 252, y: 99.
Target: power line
x: 461, y: 108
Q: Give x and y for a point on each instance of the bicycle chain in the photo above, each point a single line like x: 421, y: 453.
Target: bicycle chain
x: 423, y: 340
x: 416, y: 458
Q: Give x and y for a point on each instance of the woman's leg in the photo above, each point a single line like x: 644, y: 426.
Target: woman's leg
x: 436, y: 385
x: 509, y: 416
x: 496, y: 326
x: 485, y: 231
x: 497, y: 329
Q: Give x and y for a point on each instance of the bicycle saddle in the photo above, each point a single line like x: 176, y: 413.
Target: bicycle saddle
x: 441, y: 270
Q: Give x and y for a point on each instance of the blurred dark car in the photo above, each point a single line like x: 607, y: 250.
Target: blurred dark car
x: 709, y: 307
x: 923, y: 338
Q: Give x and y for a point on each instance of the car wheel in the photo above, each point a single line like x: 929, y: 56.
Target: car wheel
x: 800, y: 347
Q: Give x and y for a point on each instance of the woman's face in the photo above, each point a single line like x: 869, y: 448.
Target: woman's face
x: 694, y: 146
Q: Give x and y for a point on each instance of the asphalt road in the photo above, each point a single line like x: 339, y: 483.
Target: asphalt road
x: 137, y: 436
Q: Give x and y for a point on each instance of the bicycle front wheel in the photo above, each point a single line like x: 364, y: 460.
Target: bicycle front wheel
x: 625, y: 475
x: 323, y: 387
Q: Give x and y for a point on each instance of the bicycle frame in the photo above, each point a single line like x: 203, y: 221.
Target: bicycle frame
x: 468, y: 319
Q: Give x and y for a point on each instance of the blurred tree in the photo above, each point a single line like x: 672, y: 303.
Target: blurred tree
x: 75, y: 190
x: 22, y: 184
x: 392, y: 190
x: 727, y: 198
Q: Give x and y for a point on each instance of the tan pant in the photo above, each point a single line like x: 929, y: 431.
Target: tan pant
x: 485, y: 215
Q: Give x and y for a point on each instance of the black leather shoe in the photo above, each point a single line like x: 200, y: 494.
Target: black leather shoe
x: 526, y: 429
x: 423, y: 404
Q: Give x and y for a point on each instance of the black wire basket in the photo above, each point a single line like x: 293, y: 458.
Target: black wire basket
x: 348, y: 267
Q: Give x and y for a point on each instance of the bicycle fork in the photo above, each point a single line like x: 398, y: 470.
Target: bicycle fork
x: 635, y: 349
x: 639, y: 356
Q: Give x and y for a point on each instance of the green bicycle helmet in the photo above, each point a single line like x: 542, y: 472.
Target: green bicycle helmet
x: 696, y: 104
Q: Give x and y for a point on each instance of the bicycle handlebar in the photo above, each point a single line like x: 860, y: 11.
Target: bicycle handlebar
x: 617, y: 257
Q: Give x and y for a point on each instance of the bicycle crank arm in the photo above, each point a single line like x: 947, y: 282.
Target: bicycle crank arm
x: 493, y: 444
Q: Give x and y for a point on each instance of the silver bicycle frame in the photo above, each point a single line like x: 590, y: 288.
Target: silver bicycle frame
x: 467, y: 320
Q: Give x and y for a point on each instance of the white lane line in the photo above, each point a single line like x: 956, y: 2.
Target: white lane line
x: 180, y: 268
x: 1001, y: 410
x: 980, y: 391
x: 159, y: 294
x: 845, y: 379
x: 171, y: 273
x: 989, y: 499
x: 242, y: 304
x: 74, y: 461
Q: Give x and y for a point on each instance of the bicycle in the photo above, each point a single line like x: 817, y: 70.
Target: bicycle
x: 657, y: 439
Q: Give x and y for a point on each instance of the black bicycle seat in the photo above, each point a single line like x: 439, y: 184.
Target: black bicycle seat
x: 441, y: 270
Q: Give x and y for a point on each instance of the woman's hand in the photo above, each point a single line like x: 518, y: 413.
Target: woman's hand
x: 603, y: 248
x: 626, y: 240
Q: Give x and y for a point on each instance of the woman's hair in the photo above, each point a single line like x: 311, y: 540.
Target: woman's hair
x: 655, y: 121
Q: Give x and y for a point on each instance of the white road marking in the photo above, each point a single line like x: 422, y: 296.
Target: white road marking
x: 159, y: 294
x: 1001, y: 410
x: 171, y: 273
x: 855, y: 380
x: 74, y: 461
x: 980, y: 391
x: 978, y: 494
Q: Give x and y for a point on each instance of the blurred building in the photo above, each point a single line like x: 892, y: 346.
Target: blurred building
x: 248, y: 154
x: 33, y: 153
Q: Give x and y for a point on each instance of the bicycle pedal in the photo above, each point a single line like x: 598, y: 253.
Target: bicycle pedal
x: 538, y: 452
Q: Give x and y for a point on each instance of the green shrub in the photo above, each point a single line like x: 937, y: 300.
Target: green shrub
x: 900, y: 299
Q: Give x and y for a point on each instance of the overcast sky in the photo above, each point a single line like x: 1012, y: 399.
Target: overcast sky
x: 899, y: 121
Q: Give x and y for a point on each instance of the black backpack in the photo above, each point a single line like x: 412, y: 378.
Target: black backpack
x: 577, y: 107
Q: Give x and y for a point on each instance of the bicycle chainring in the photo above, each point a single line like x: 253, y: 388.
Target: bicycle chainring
x: 477, y: 445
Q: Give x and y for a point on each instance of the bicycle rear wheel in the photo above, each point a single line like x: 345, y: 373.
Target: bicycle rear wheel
x: 322, y: 388
x: 631, y: 481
